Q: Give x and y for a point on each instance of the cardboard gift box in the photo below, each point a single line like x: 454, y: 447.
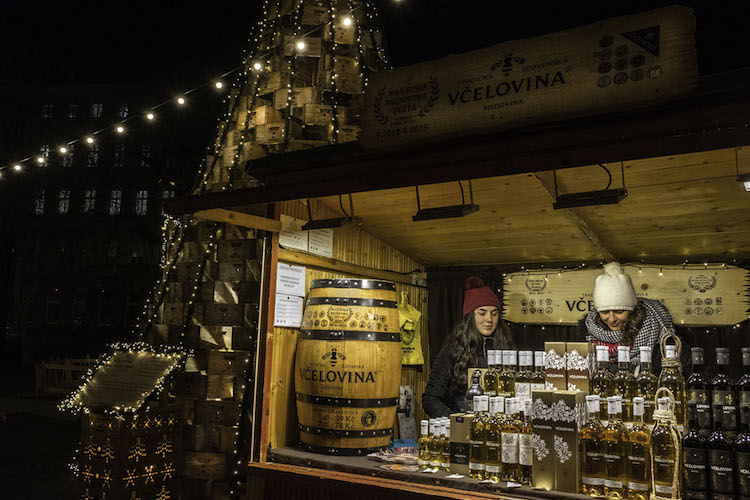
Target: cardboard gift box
x: 460, y: 428
x: 578, y: 364
x: 543, y: 470
x: 555, y: 372
x: 569, y: 412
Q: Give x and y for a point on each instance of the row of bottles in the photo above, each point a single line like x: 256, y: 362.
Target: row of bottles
x: 434, y: 444
x: 644, y: 385
x: 509, y: 373
x: 719, y: 466
x: 617, y: 462
x: 720, y: 393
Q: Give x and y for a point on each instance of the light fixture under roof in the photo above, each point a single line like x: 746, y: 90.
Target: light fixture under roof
x: 744, y: 179
x: 604, y: 196
x: 331, y: 223
x: 447, y: 212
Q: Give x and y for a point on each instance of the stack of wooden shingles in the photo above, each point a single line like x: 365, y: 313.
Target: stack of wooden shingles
x: 222, y: 330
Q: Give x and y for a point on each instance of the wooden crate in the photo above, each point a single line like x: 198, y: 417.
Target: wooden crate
x: 300, y: 97
x: 273, y: 81
x: 313, y: 46
x: 223, y: 314
x: 227, y: 363
x: 345, y: 35
x: 174, y: 313
x: 314, y: 14
x: 263, y: 115
x: 205, y: 465
x: 348, y: 133
x: 209, y: 438
x: 314, y: 114
x: 239, y: 292
x: 271, y: 133
x: 190, y: 385
x: 237, y: 250
x: 252, y: 151
x: 217, y: 412
x: 187, y: 271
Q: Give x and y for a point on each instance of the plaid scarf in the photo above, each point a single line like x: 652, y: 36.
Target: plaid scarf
x: 656, y: 322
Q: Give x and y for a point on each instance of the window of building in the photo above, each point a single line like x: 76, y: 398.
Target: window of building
x: 93, y: 157
x: 89, y: 201
x: 145, y: 155
x: 124, y: 111
x: 115, y: 202
x: 97, y: 110
x: 141, y: 202
x: 47, y: 110
x: 72, y: 110
x: 119, y: 160
x: 39, y: 202
x: 67, y: 158
x: 63, y: 201
x: 167, y: 193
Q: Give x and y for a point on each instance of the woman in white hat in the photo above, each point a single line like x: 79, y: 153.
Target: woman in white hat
x: 621, y: 318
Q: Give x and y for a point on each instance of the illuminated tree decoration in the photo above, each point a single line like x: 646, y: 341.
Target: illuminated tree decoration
x: 129, y: 478
x: 138, y: 451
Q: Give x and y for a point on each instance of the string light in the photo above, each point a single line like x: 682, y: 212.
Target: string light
x: 150, y: 116
x: 40, y: 160
x: 89, y: 140
x: 17, y: 167
x: 63, y: 150
x: 347, y: 21
x: 257, y: 66
x: 180, y: 100
x: 301, y: 45
x: 219, y: 84
x: 120, y: 129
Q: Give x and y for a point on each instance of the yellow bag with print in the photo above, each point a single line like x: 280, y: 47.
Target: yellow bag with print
x: 411, y: 344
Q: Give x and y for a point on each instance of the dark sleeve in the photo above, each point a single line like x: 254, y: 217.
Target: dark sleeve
x: 437, y: 391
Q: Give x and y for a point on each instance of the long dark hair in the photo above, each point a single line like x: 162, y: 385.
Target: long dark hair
x: 630, y: 327
x: 465, y: 344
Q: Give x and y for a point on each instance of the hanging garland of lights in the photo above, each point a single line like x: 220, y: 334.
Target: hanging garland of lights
x: 292, y: 62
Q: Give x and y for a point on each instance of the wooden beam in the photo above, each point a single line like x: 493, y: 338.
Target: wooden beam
x: 325, y: 263
x: 239, y: 219
x: 575, y: 215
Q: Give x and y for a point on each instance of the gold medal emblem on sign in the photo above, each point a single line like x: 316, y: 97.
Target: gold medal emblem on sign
x: 339, y: 315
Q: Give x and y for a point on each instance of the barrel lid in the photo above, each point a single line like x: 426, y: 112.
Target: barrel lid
x: 354, y: 283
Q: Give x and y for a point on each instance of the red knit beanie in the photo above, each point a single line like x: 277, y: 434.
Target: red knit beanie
x: 478, y: 295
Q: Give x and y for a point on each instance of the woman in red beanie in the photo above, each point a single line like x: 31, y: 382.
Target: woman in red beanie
x: 466, y: 348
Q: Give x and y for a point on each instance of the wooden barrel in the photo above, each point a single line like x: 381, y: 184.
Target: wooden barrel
x: 348, y: 367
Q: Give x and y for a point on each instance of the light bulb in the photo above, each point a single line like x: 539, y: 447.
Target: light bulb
x: 17, y: 167
x: 120, y: 129
x: 347, y: 21
x: 89, y: 140
x: 180, y: 100
x: 257, y: 66
x: 219, y: 85
x: 150, y: 116
x: 63, y: 149
x: 300, y: 45
x: 39, y: 160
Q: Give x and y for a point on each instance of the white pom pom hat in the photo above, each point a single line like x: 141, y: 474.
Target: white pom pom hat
x: 613, y: 290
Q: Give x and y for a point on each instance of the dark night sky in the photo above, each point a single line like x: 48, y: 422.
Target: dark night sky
x: 181, y: 44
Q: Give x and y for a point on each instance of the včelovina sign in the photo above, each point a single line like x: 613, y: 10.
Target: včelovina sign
x: 695, y: 295
x: 613, y: 64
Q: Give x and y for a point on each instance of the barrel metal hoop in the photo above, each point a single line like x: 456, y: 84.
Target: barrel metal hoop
x: 348, y: 301
x: 353, y: 283
x: 349, y: 335
x: 344, y: 452
x: 347, y: 402
x: 348, y: 433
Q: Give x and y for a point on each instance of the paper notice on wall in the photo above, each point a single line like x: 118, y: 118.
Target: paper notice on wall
x: 288, y: 311
x: 290, y: 280
x: 292, y: 236
x: 321, y: 242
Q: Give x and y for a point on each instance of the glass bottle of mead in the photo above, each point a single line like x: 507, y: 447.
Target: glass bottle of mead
x: 698, y: 391
x: 537, y: 377
x: 666, y: 455
x: 493, y: 441
x: 509, y: 436
x: 445, y: 464
x: 723, y: 393
x: 720, y: 460
x: 646, y: 384
x: 436, y: 457
x: 671, y: 378
x: 474, y: 390
x: 639, y: 455
x: 478, y: 441
x: 423, y: 444
x: 523, y: 378
x: 624, y: 383
x: 614, y: 446
x: 592, y: 459
x: 490, y: 376
x: 507, y: 378
x: 603, y: 382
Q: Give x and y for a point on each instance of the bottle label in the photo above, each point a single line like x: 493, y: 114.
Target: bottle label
x: 722, y: 469
x: 423, y: 463
x: 661, y: 489
x: 435, y: 463
x: 537, y: 387
x: 725, y: 400
x: 446, y: 465
x: 593, y: 481
x: 743, y: 472
x: 510, y: 447
x: 493, y: 469
x: 695, y: 469
x: 702, y: 400
x: 476, y: 466
x: 637, y: 486
x: 612, y: 484
x: 525, y: 449
x: 523, y: 390
x: 639, y: 463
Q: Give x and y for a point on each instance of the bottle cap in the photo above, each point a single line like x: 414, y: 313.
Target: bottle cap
x: 746, y: 356
x: 671, y: 350
x: 722, y: 356
x: 623, y: 354
x: 425, y: 425
x: 526, y: 358
x: 614, y: 405
x: 592, y: 404
x: 528, y: 408
x: 539, y: 359
x: 513, y: 357
x: 662, y: 404
x: 696, y: 353
x: 602, y: 353
x: 645, y: 354
x: 638, y: 405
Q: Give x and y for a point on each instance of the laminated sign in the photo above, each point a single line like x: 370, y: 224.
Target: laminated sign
x: 694, y: 295
x: 613, y: 64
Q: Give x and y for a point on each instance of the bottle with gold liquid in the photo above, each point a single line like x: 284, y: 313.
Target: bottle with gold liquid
x: 445, y: 450
x: 423, y: 445
x: 509, y: 436
x: 507, y: 377
x: 592, y: 454
x: 671, y: 378
x: 646, y: 384
x: 490, y: 376
x: 666, y: 452
x: 537, y: 376
x: 435, y: 443
x: 639, y: 454
x: 602, y: 382
x: 614, y: 447
x: 493, y: 441
x: 523, y: 377
x: 526, y: 444
x: 624, y: 383
x: 478, y: 441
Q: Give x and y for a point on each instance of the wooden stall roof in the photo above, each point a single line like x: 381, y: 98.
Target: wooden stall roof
x: 680, y: 161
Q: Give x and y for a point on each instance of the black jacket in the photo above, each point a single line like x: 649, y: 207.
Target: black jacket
x: 438, y: 400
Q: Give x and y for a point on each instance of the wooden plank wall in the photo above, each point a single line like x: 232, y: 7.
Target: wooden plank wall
x: 355, y: 246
